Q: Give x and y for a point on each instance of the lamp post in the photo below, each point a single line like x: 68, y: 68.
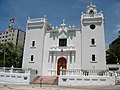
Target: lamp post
x: 4, y: 58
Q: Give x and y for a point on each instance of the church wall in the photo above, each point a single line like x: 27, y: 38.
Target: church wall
x: 51, y: 57
x: 66, y: 47
x: 76, y: 41
x: 36, y: 35
x: 98, y: 49
x: 48, y: 63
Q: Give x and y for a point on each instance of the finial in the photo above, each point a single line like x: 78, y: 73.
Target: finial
x: 44, y: 16
x: 63, y: 21
x: 73, y: 26
x: 56, y: 27
x: 91, y: 3
x: 100, y: 11
x: 28, y: 18
x: 69, y: 26
x: 82, y: 13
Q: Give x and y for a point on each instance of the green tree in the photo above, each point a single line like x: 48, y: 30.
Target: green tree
x: 13, y: 55
x: 113, y: 53
x: 1, y: 54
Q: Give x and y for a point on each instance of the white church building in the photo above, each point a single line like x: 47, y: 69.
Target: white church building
x: 67, y: 51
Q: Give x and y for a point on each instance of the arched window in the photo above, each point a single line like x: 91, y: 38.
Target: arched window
x: 93, y: 57
x: 33, y: 43
x: 92, y: 41
x: 32, y: 57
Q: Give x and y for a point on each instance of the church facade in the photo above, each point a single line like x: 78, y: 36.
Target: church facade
x: 50, y: 50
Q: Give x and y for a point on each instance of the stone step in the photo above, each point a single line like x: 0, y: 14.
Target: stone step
x: 56, y: 81
x: 45, y: 80
x: 32, y: 81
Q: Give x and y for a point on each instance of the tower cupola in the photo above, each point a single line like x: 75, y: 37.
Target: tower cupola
x: 91, y: 9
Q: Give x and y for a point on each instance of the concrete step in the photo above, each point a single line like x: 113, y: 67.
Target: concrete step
x: 45, y: 80
x: 32, y: 81
x: 56, y: 81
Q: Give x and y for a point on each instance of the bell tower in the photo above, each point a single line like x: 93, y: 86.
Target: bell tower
x: 93, y: 40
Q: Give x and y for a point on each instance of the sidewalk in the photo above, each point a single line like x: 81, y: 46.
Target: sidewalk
x: 55, y: 87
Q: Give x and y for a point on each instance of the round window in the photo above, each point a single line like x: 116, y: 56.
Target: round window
x: 91, y: 12
x: 92, y: 26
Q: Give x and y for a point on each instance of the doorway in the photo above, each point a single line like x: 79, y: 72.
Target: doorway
x: 61, y: 64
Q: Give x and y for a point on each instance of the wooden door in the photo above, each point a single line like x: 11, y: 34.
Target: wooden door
x: 62, y: 64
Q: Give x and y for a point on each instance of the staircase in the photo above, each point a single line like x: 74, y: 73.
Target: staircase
x: 32, y: 81
x: 55, y: 81
x: 45, y: 80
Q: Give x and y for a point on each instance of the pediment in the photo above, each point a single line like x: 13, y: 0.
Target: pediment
x: 62, y: 34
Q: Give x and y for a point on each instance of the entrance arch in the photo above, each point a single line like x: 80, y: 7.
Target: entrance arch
x: 61, y: 64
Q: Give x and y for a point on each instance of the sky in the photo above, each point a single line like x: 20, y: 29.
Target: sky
x: 57, y: 10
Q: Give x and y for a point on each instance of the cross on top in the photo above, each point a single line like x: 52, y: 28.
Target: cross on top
x: 63, y: 21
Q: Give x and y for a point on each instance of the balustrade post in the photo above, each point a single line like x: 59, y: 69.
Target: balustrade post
x: 11, y: 71
x: 60, y: 71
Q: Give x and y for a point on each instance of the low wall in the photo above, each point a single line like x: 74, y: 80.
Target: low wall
x: 66, y: 80
x: 16, y: 76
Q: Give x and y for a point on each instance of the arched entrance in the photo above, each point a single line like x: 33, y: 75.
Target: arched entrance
x: 61, y: 64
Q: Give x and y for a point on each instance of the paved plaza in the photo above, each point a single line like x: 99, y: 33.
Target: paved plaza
x: 55, y: 87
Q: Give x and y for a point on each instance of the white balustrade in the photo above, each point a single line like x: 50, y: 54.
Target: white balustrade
x: 54, y: 48
x: 16, y: 75
x: 14, y: 70
x: 52, y: 72
x: 85, y: 72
